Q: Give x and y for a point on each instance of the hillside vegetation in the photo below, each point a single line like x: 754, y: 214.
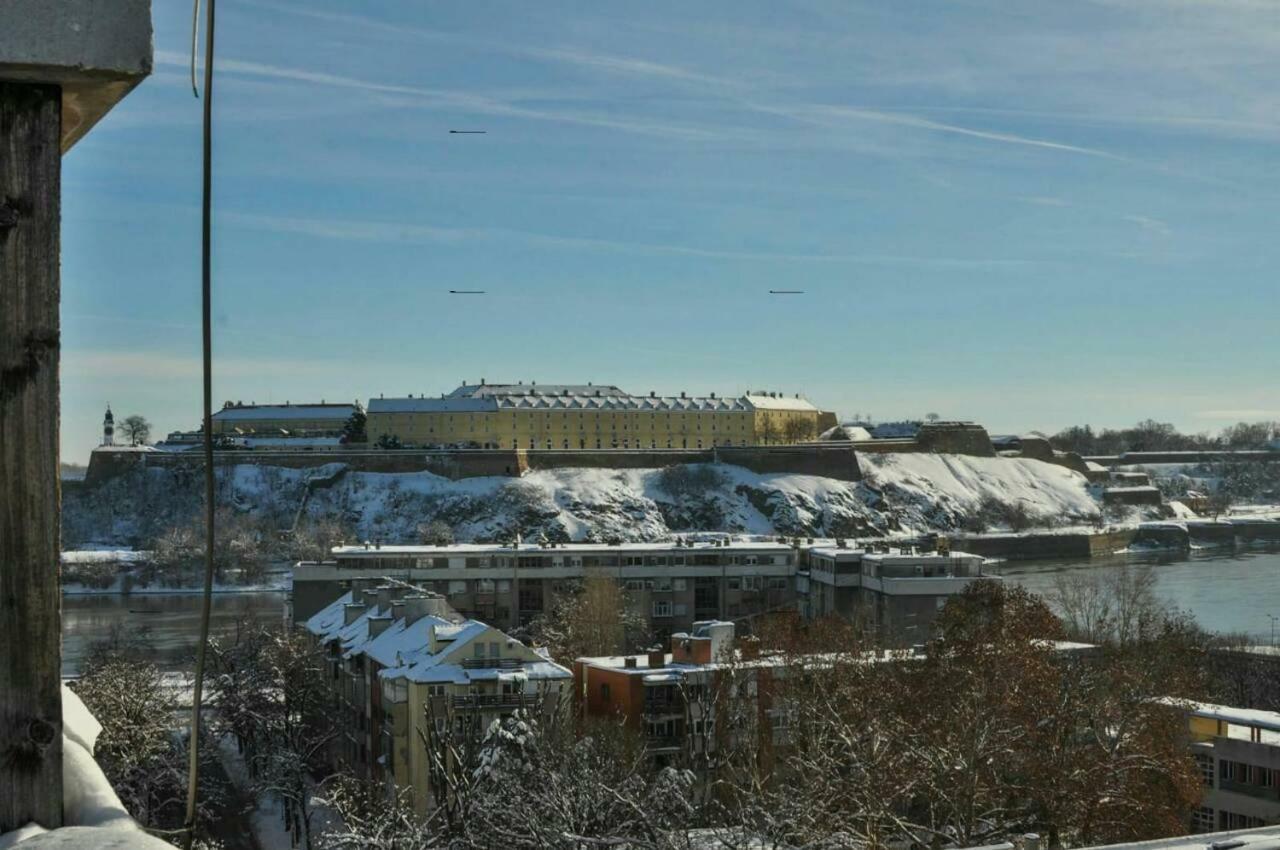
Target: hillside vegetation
x: 901, y: 493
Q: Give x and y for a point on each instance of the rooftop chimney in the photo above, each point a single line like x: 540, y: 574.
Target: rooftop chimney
x: 397, y: 610
x: 657, y: 658
x: 629, y: 662
x: 351, y: 612
x: 418, y: 606
x: 378, y: 624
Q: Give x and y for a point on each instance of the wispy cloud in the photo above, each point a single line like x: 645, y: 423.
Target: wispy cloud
x: 453, y: 99
x: 817, y: 112
x: 1147, y: 223
x: 380, y: 231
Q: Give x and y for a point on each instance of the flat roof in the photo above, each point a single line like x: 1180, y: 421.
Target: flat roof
x: 481, y: 548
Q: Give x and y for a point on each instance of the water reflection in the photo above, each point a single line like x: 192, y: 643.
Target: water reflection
x: 1226, y: 590
x: 170, y: 624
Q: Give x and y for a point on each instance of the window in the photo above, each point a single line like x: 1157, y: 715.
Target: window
x: 735, y: 583
x: 777, y: 583
x: 479, y: 649
x: 679, y: 609
x: 495, y: 649
x: 663, y: 584
x: 436, y: 690
x: 678, y: 584
x: 504, y: 586
x: 1202, y: 820
x: 604, y: 691
x: 662, y: 609
x: 457, y: 587
x: 635, y: 584
x: 751, y: 582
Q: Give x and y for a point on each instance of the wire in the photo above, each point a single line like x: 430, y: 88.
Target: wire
x: 206, y: 327
x: 195, y: 39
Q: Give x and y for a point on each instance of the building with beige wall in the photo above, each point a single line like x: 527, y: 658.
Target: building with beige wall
x: 322, y: 419
x: 672, y: 583
x: 410, y: 679
x: 590, y: 417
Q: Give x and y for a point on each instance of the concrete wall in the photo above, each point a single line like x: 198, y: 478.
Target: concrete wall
x: 960, y: 438
x: 1032, y: 546
x: 833, y: 461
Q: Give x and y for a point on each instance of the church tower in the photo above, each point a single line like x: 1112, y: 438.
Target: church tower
x: 108, y: 428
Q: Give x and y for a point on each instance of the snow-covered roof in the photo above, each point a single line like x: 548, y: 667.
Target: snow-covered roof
x: 490, y: 390
x: 778, y: 401
x: 405, y: 649
x: 481, y: 398
x: 326, y: 622
x: 257, y: 412
x: 846, y: 431
x: 402, y: 639
x: 576, y: 548
x: 1251, y: 717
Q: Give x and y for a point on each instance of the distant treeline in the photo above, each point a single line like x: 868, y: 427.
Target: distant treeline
x: 1152, y: 436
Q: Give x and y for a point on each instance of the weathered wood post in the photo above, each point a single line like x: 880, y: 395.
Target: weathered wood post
x: 63, y: 64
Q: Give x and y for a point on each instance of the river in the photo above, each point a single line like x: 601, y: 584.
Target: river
x: 169, y: 624
x: 1226, y: 591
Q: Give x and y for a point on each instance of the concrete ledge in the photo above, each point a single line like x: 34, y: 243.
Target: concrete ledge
x: 96, y: 50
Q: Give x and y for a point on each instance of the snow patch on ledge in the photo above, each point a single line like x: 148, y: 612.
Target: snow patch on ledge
x: 95, y: 819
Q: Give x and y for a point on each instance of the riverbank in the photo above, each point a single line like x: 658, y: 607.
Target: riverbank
x: 129, y: 572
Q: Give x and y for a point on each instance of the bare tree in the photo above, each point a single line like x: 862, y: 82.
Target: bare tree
x: 145, y: 762
x: 797, y: 430
x: 437, y: 532
x: 1118, y: 604
x: 136, y: 429
x: 593, y: 618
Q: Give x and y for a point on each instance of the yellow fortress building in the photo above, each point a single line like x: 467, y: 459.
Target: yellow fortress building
x: 590, y: 417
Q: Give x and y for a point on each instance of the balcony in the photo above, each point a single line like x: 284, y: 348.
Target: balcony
x: 492, y: 663
x: 1261, y: 792
x: 495, y: 702
x: 662, y: 743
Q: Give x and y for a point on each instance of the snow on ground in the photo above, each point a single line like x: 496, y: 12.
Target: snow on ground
x: 960, y: 484
x: 104, y: 556
x: 903, y: 493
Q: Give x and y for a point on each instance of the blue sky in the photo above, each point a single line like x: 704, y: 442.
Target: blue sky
x: 1026, y: 214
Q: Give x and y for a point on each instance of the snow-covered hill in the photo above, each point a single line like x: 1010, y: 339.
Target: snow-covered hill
x: 901, y: 493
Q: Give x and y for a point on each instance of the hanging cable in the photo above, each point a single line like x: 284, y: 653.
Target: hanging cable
x: 206, y: 327
x: 195, y: 40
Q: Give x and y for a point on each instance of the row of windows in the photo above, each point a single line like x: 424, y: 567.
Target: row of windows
x: 710, y: 559
x: 1239, y: 773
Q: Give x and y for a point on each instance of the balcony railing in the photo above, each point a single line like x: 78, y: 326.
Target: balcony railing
x: 1262, y: 792
x: 491, y: 663
x: 662, y: 743
x: 496, y: 701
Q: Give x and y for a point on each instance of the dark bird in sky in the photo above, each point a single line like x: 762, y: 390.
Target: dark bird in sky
x: 466, y: 292
x: 468, y: 132
x: 786, y: 292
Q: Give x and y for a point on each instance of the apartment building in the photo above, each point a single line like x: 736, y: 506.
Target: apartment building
x: 675, y: 699
x: 312, y: 420
x: 578, y: 417
x: 895, y: 592
x: 673, y: 583
x: 1238, y: 750
x: 407, y: 673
